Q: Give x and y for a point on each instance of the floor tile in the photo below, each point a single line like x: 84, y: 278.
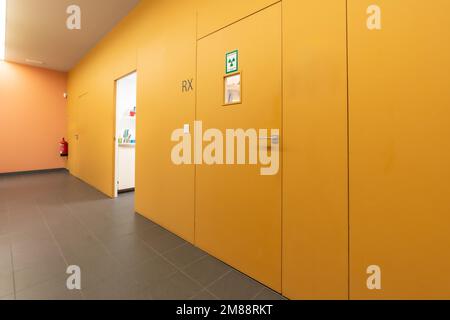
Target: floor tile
x: 34, y: 247
x: 5, y: 241
x: 153, y: 234
x: 54, y: 289
x: 74, y: 255
x: 71, y: 246
x: 184, y: 255
x: 25, y: 259
x: 121, y: 216
x: 207, y: 270
x: 110, y: 232
x: 70, y: 232
x: 125, y: 243
x: 236, y: 286
x: 5, y: 254
x: 166, y: 243
x: 204, y: 296
x: 31, y: 236
x: 6, y: 283
x: 269, y: 295
x: 115, y: 287
x: 152, y: 270
x: 4, y: 224
x: 176, y: 287
x: 25, y: 225
x: 38, y: 273
x: 95, y: 263
x: 130, y: 251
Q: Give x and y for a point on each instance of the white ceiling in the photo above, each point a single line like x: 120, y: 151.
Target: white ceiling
x: 36, y: 30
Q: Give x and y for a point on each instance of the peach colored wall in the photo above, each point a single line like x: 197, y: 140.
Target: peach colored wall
x: 32, y: 118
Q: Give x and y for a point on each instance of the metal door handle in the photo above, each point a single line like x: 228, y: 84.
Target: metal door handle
x: 275, y: 139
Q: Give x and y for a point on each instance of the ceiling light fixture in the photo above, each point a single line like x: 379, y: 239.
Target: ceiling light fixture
x: 2, y: 29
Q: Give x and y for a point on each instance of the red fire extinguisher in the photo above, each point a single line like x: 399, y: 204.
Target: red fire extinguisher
x: 64, y: 148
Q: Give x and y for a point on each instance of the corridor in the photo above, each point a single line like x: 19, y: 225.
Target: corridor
x: 49, y: 221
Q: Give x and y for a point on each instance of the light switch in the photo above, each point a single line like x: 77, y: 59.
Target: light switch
x: 187, y: 129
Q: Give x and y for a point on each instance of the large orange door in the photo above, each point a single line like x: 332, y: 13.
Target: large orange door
x: 238, y: 210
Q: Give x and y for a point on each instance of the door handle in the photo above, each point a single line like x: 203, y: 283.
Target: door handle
x: 275, y: 139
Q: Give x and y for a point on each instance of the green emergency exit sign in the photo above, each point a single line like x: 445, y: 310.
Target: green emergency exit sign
x: 232, y: 61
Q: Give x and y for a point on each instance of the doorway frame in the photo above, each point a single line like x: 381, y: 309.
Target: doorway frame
x: 115, y: 139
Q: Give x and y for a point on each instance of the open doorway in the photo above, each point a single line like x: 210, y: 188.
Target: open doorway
x: 126, y: 88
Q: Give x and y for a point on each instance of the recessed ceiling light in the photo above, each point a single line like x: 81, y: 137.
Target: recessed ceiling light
x: 34, y: 61
x: 2, y: 29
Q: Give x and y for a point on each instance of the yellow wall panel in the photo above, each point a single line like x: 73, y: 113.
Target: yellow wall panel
x: 164, y: 191
x: 315, y: 211
x: 400, y: 149
x: 216, y: 14
x: 238, y: 211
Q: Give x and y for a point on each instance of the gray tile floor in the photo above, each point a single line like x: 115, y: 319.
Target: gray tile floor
x: 49, y: 221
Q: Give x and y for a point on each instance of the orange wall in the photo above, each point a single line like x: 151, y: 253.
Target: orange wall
x: 32, y: 118
x: 315, y: 207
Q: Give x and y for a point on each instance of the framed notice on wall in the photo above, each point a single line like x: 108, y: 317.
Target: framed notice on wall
x: 232, y: 62
x: 232, y: 89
